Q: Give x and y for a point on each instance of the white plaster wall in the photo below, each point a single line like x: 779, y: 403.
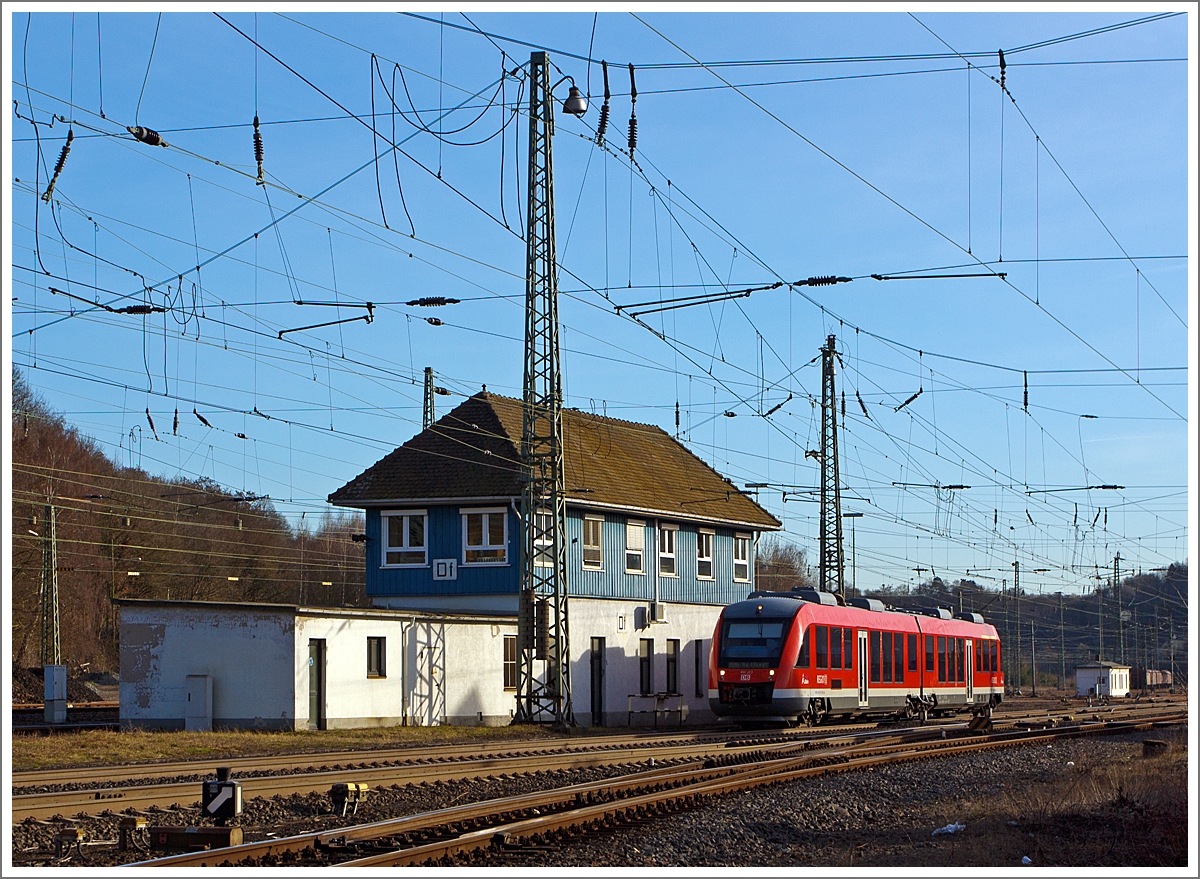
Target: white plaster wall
x: 248, y: 653
x: 351, y: 698
x: 689, y: 623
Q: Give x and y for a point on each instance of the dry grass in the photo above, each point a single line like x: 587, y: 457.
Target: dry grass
x: 1127, y: 812
x: 101, y: 748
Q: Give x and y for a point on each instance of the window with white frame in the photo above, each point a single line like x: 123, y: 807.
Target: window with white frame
x: 404, y: 538
x: 635, y: 547
x: 741, y: 557
x: 666, y: 549
x: 593, y: 547
x: 485, y: 536
x: 543, y: 539
x: 704, y: 554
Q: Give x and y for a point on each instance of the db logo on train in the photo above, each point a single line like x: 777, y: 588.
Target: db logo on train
x: 745, y: 676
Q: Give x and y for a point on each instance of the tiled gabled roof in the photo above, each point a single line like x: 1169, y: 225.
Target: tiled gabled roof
x: 474, y: 451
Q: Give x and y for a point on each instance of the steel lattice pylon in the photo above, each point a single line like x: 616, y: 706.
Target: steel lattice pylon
x: 50, y: 646
x: 427, y: 413
x: 542, y: 608
x: 832, y: 571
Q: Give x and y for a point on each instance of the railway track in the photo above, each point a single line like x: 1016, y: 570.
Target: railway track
x: 438, y: 838
x: 92, y: 790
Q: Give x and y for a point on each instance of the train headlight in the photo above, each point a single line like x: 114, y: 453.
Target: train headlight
x: 772, y: 672
x: 722, y: 672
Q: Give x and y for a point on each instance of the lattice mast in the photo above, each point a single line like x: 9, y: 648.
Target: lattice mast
x: 832, y: 568
x: 542, y: 633
x: 51, y: 650
x: 427, y: 412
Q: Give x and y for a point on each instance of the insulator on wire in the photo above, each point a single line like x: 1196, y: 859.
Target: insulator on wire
x: 430, y: 301
x: 862, y: 405
x: 602, y: 127
x: 58, y: 167
x: 258, y: 150
x: 434, y: 321
x: 632, y: 113
x: 843, y: 405
x: 1026, y: 374
x: 175, y: 429
x: 151, y: 420
x: 1002, y: 69
x: 148, y: 136
x: 825, y: 281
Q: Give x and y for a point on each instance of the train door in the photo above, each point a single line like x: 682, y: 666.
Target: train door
x: 862, y: 668
x: 970, y: 670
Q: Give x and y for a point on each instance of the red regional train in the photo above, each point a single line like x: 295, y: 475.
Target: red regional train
x: 802, y: 657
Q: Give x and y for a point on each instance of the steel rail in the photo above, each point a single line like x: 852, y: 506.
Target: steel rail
x: 511, y: 820
x: 650, y: 804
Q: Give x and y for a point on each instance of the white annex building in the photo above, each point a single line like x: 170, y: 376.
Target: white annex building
x: 1102, y: 678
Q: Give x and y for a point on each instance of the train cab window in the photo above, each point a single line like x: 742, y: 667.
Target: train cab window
x: 960, y: 655
x: 822, y: 650
x: 887, y: 657
x: 941, y: 658
x: 752, y: 643
x: 899, y: 666
x: 848, y: 648
x: 803, y: 661
x: 835, y: 647
x: 875, y: 636
x: 912, y: 652
x: 929, y: 651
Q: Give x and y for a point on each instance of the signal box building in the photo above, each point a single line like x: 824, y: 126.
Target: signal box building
x: 657, y: 542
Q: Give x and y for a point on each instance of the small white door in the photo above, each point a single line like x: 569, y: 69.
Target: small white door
x: 862, y: 668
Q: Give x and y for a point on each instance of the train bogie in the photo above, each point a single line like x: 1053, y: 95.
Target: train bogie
x: 787, y: 657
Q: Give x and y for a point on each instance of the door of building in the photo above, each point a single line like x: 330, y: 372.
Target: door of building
x: 597, y: 682
x: 316, y: 683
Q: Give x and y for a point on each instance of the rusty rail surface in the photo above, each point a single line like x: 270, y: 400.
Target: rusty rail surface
x: 530, y: 818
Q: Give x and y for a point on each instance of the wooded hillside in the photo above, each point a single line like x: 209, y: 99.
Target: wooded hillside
x: 120, y: 531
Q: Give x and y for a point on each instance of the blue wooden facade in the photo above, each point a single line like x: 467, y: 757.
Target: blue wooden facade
x: 444, y: 540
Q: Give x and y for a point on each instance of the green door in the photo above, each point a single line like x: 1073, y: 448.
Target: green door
x: 316, y: 683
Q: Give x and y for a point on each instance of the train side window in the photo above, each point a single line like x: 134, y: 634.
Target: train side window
x: 929, y: 650
x: 950, y: 678
x: 874, y: 636
x: 995, y: 656
x: 960, y: 655
x: 835, y: 647
x: 802, y: 659
x: 848, y: 648
x: 822, y: 650
x: 941, y: 651
x: 887, y: 657
x: 978, y: 656
x: 899, y: 666
x: 912, y: 652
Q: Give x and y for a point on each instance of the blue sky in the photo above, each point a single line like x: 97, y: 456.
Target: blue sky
x: 862, y: 160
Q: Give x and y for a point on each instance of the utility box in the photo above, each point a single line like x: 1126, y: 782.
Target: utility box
x: 198, y: 712
x: 55, y: 677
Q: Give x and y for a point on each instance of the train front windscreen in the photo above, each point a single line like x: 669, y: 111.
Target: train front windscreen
x: 752, y: 643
